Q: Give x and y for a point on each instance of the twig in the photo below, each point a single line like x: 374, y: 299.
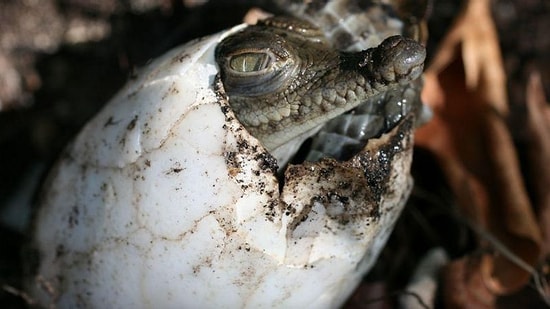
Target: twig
x: 19, y: 293
x: 541, y: 284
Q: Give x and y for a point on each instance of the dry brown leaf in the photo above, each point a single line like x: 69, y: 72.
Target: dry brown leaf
x: 465, y: 85
x: 538, y: 144
x: 464, y: 286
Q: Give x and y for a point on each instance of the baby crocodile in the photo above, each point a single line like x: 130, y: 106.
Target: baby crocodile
x: 284, y: 80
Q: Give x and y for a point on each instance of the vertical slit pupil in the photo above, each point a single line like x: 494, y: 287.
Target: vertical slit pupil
x: 249, y: 62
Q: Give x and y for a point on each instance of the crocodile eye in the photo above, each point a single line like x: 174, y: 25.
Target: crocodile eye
x: 250, y: 62
x: 257, y: 63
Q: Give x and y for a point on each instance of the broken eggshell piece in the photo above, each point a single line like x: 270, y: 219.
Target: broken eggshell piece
x: 166, y: 200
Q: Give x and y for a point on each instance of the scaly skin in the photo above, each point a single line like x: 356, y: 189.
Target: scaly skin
x: 309, y: 82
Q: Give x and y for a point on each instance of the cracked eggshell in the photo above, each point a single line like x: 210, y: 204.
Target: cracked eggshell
x: 165, y: 200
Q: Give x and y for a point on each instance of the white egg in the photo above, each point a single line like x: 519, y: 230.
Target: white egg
x: 164, y: 200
